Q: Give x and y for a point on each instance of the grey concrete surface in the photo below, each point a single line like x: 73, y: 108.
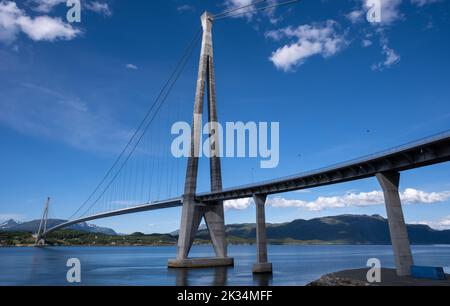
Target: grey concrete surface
x: 200, y: 262
x: 193, y: 211
x: 389, y: 182
x: 262, y: 265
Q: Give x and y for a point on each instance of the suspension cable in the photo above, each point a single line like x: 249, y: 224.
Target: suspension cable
x: 167, y: 86
x: 258, y: 9
x: 181, y: 63
x: 186, y: 58
x: 239, y: 8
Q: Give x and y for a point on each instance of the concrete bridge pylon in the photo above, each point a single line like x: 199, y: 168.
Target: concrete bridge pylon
x: 193, y: 212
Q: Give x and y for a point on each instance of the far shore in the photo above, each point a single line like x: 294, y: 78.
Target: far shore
x: 230, y: 244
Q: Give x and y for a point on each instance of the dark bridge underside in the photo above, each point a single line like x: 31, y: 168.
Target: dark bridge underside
x: 125, y: 211
x: 414, y: 155
x: 432, y: 150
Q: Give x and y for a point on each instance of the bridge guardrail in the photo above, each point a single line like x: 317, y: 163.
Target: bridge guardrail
x: 393, y: 150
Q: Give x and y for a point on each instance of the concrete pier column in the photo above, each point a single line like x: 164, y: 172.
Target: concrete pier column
x: 389, y: 182
x: 193, y: 211
x: 262, y: 265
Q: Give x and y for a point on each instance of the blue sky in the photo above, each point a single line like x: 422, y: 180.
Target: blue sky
x: 72, y: 94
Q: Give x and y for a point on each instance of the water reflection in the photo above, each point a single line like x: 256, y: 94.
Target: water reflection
x: 40, y: 265
x: 188, y: 277
x: 213, y: 277
x: 264, y: 279
x: 293, y: 265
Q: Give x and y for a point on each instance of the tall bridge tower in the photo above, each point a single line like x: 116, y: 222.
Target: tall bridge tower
x: 193, y: 212
x: 40, y: 239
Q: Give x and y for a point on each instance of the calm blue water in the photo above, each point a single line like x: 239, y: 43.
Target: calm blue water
x: 293, y: 265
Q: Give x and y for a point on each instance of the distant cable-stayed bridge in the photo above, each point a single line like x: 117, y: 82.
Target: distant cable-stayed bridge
x: 144, y: 177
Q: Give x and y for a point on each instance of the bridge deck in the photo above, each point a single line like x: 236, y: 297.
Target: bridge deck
x: 428, y: 151
x: 124, y: 211
x: 432, y: 150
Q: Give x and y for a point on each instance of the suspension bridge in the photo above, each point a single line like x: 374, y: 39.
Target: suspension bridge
x: 145, y: 178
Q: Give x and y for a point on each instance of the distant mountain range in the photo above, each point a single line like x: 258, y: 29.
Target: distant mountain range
x: 343, y: 229
x: 33, y: 226
x: 200, y: 228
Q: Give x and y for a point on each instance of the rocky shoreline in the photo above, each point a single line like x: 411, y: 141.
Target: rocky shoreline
x: 330, y: 280
x: 357, y: 278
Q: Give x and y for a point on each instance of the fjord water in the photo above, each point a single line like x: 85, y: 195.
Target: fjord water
x: 293, y: 264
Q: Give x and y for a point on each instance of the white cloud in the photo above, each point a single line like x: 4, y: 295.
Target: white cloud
x: 42, y: 28
x: 234, y: 4
x: 46, y: 28
x: 45, y: 6
x: 411, y: 196
x: 59, y: 116
x: 390, y: 12
x: 99, y: 8
x: 352, y: 199
x: 132, y: 66
x: 423, y: 2
x: 442, y: 224
x: 317, y: 39
x: 366, y: 43
x: 15, y: 217
x: 239, y: 204
x: 9, y: 13
x: 391, y: 57
x: 355, y: 16
x: 249, y: 11
x: 61, y: 99
x: 185, y: 8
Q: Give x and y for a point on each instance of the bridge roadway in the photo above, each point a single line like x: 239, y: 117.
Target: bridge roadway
x: 124, y: 211
x: 425, y: 152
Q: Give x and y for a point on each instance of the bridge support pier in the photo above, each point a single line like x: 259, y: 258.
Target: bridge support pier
x: 40, y: 238
x: 262, y: 265
x: 39, y: 242
x: 193, y: 211
x: 389, y: 182
x: 192, y: 215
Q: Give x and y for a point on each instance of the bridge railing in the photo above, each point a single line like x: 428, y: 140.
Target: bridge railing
x: 170, y: 203
x: 379, y: 154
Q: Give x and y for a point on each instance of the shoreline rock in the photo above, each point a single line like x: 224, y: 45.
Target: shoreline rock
x: 330, y: 280
x: 358, y: 278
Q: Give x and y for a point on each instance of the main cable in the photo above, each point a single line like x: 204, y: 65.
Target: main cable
x: 239, y: 8
x: 258, y: 9
x: 178, y: 74
x: 181, y: 63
